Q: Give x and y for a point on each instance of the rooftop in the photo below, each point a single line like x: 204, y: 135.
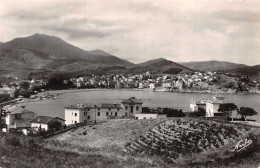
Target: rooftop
x: 44, y: 119
x: 132, y: 100
x: 103, y: 105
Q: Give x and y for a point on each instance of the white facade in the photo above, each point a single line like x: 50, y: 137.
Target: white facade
x: 40, y: 125
x: 212, y: 106
x: 86, y: 113
x: 142, y: 116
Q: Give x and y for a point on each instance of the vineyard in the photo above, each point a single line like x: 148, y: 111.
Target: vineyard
x: 181, y: 137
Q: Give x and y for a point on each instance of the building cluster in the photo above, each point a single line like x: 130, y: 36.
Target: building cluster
x: 18, y: 118
x: 85, y: 113
x: 197, y: 81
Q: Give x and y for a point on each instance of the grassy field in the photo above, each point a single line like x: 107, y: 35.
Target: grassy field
x: 137, y: 143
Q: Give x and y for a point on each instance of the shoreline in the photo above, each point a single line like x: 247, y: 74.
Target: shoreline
x: 146, y: 90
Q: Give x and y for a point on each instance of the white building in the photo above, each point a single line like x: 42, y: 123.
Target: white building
x: 80, y: 113
x: 132, y: 106
x: 213, y: 105
x: 194, y: 105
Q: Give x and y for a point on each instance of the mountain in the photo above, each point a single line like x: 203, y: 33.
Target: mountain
x: 163, y: 65
x: 212, y: 65
x: 49, y: 53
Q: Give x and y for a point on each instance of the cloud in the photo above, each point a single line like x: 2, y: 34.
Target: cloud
x: 76, y: 33
x: 237, y: 16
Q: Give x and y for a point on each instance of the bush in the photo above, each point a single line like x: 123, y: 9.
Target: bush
x: 12, y: 140
x: 199, y: 113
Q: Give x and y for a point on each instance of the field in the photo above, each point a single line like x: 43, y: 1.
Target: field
x: 109, y: 133
x: 175, y: 142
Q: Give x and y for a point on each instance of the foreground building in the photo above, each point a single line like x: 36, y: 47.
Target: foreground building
x: 80, y: 113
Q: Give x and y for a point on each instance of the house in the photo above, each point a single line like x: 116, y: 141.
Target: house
x: 194, y: 105
x: 152, y: 86
x: 213, y: 105
x: 132, y: 106
x: 16, y: 114
x: 47, y: 123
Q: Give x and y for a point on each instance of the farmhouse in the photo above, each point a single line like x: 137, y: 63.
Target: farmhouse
x: 46, y: 123
x: 80, y: 113
x: 194, y: 105
x: 211, y: 106
x: 18, y: 117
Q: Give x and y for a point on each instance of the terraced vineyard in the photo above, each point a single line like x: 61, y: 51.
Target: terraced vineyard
x: 181, y: 137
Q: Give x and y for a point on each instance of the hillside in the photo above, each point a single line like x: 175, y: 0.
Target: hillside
x: 211, y: 65
x: 162, y: 65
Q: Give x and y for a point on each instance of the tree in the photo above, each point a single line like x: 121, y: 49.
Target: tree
x: 246, y: 111
x: 227, y: 109
x: 146, y: 110
x: 24, y: 85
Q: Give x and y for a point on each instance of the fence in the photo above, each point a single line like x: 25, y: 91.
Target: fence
x: 66, y: 128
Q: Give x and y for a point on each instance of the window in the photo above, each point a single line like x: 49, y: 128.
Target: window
x: 88, y: 117
x: 88, y: 109
x: 98, y: 109
x: 137, y: 108
x: 126, y: 107
x: 98, y: 113
x: 111, y: 113
x: 72, y: 114
x: 75, y: 114
x: 109, y: 109
x: 72, y: 121
x: 126, y: 113
x: 144, y: 117
x: 117, y: 109
x: 75, y: 122
x: 106, y: 113
x: 115, y: 113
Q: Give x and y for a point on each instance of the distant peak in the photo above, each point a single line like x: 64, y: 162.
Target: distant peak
x: 99, y: 52
x: 161, y: 59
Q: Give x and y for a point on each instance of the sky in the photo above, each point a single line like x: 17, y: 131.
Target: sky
x: 141, y: 30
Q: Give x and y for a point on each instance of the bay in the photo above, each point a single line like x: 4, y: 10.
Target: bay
x: 150, y: 99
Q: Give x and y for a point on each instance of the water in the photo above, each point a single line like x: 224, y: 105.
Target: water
x: 151, y: 99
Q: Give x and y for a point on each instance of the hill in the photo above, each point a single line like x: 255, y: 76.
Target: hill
x: 211, y: 65
x: 163, y: 65
x: 253, y: 72
x: 49, y: 53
